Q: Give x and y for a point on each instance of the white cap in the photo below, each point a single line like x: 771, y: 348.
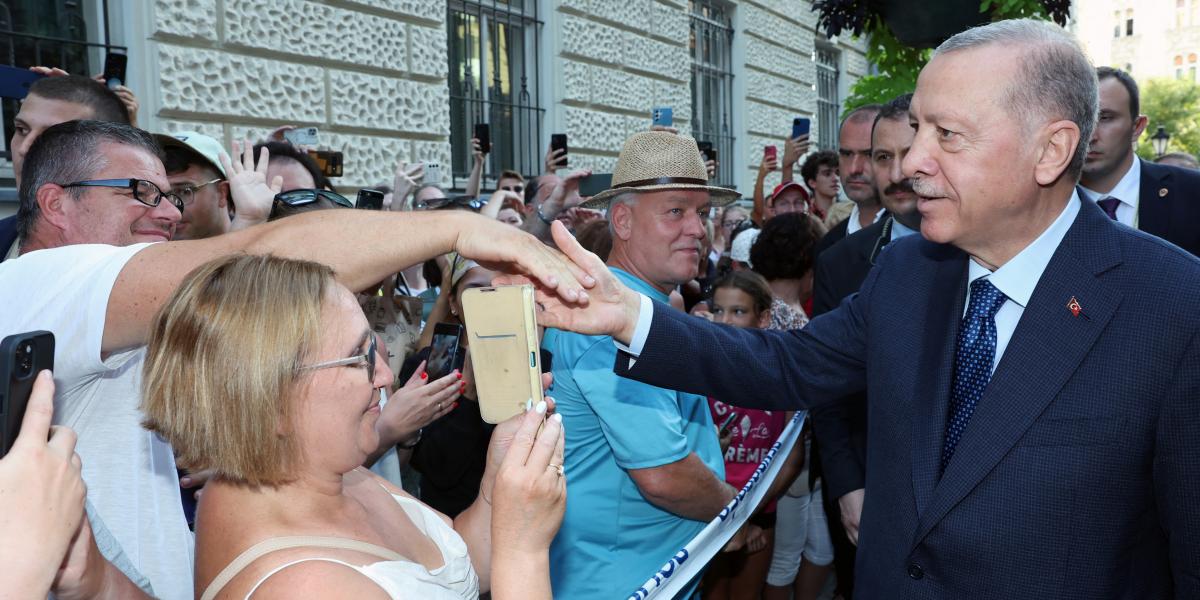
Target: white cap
x: 740, y: 250
x: 206, y: 147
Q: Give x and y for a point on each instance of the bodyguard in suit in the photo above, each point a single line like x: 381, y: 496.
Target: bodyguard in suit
x: 1033, y: 369
x: 841, y: 427
x: 856, y: 174
x: 1161, y: 200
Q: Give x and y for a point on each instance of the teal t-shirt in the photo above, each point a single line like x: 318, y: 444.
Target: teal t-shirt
x: 612, y: 539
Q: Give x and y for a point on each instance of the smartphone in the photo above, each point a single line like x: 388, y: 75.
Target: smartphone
x: 800, y: 127
x: 14, y: 82
x: 444, y: 350
x: 728, y: 421
x: 558, y: 141
x: 770, y: 152
x: 594, y: 184
x: 114, y: 69
x: 22, y: 357
x: 301, y: 136
x: 433, y: 173
x: 706, y: 150
x: 662, y: 115
x: 369, y: 199
x: 483, y: 133
x: 502, y: 331
x: 329, y: 161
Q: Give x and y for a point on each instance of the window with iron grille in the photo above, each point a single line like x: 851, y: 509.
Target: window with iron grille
x: 494, y: 79
x: 712, y: 82
x: 828, y: 104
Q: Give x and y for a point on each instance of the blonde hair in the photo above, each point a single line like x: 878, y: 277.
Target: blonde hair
x: 222, y: 364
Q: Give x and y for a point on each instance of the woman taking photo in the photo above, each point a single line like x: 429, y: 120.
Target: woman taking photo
x: 281, y: 405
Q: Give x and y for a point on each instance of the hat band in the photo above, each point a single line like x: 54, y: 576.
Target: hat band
x: 661, y: 181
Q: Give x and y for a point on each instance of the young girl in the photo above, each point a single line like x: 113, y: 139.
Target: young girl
x: 743, y: 299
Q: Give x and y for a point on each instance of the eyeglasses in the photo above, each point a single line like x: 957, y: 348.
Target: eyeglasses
x: 143, y: 191
x: 188, y: 194
x: 302, y: 197
x: 368, y: 359
x: 513, y: 188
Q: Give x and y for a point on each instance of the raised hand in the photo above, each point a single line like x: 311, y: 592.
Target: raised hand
x: 417, y: 404
x: 252, y: 197
x: 554, y: 160
x: 130, y: 101
x: 793, y: 149
x: 408, y: 178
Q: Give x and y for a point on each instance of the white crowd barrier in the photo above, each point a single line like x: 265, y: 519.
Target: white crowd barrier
x: 683, y: 567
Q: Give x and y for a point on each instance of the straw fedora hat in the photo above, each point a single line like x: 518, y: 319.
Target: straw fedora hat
x: 652, y: 161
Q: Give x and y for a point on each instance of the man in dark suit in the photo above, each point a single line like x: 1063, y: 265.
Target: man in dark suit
x: 1161, y: 200
x: 841, y: 427
x: 856, y: 174
x: 1032, y: 368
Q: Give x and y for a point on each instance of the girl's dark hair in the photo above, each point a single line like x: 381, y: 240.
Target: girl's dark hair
x: 285, y: 150
x: 753, y: 284
x: 784, y: 249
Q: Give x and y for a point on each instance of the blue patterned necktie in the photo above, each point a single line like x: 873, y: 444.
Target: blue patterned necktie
x: 973, y: 359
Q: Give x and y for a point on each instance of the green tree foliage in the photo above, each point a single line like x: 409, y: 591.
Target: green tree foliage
x: 1173, y: 104
x: 898, y: 65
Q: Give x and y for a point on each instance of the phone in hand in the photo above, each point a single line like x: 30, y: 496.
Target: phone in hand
x: 444, y: 350
x: 800, y: 127
x: 483, y: 133
x: 433, y: 173
x: 662, y: 116
x: 14, y: 82
x: 301, y: 136
x: 707, y: 151
x: 770, y: 153
x: 594, y: 184
x: 369, y: 199
x: 22, y: 357
x: 728, y: 421
x: 558, y: 141
x: 502, y: 330
x: 114, y: 69
x: 329, y: 161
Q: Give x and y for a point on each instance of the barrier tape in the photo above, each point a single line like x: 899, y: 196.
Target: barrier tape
x: 686, y: 564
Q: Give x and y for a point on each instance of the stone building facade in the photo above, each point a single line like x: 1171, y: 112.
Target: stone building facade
x: 376, y: 76
x: 1148, y: 38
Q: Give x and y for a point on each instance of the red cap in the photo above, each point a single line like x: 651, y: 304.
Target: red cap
x: 787, y: 185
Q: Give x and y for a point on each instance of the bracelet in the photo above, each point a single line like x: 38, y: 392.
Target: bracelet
x: 413, y: 443
x: 548, y: 222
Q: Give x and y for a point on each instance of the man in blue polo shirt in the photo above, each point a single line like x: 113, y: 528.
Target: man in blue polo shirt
x: 644, y: 468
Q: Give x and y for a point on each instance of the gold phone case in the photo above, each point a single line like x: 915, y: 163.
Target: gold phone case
x: 502, y: 337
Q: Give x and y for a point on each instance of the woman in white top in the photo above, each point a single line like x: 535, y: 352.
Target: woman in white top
x: 265, y: 370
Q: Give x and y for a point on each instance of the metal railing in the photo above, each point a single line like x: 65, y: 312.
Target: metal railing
x: 495, y: 79
x: 711, y: 43
x: 828, y: 104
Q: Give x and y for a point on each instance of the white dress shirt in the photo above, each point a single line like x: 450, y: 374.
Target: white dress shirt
x: 1015, y: 279
x: 1128, y: 190
x: 852, y: 223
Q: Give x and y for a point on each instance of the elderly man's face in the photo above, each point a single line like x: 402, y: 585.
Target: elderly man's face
x: 971, y: 162
x: 662, y: 234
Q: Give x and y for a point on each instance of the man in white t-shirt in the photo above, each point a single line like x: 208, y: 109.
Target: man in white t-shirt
x: 91, y: 196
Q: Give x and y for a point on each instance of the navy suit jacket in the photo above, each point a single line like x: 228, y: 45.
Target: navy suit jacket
x: 8, y: 235
x: 1079, y: 473
x: 1169, y: 205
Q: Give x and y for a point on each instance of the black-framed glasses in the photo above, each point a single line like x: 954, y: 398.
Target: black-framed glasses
x: 302, y: 197
x: 188, y: 194
x: 143, y: 191
x: 358, y: 359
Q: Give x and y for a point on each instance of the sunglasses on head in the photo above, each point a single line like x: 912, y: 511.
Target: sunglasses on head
x: 302, y: 197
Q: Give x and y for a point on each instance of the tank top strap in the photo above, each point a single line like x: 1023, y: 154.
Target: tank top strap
x: 265, y: 547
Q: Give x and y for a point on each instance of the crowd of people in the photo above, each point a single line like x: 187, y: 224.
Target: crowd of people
x: 249, y: 395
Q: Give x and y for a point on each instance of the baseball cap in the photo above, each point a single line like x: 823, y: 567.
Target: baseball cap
x: 206, y: 147
x: 785, y: 186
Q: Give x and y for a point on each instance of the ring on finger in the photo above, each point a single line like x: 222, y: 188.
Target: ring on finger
x: 558, y: 469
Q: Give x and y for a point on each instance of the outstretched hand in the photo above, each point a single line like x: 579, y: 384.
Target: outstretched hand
x: 252, y: 197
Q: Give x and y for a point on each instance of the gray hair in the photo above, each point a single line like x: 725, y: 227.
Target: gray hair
x: 628, y: 199
x: 70, y: 152
x: 1057, y: 82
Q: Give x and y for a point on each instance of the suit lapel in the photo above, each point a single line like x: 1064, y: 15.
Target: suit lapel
x: 936, y: 369
x: 1049, y: 343
x: 1154, y: 208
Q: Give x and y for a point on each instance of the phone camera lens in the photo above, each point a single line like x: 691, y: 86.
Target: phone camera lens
x: 24, y: 360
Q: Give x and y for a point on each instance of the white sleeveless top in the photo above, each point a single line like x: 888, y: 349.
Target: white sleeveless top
x: 399, y: 577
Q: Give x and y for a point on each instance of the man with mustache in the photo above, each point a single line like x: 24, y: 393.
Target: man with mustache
x: 1159, y: 199
x: 841, y: 428
x: 644, y: 469
x: 854, y: 169
x: 1032, y: 367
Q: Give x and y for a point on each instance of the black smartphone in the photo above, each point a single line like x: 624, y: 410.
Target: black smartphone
x: 706, y: 150
x: 444, y: 350
x: 369, y: 199
x: 594, y: 184
x: 329, y: 161
x: 483, y: 133
x: 114, y: 69
x: 558, y: 141
x: 22, y: 357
